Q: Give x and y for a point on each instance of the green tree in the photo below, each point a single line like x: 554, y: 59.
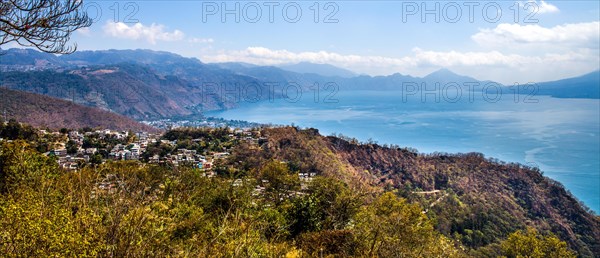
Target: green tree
x: 131, y: 137
x: 96, y: 159
x: 304, y: 215
x: 328, y: 205
x: 331, y: 243
x: 71, y: 147
x: 336, y: 202
x: 531, y: 244
x: 390, y: 227
x: 42, y: 226
x: 12, y: 130
x: 280, y: 183
x: 23, y: 167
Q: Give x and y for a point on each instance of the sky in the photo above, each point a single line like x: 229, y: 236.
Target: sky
x: 505, y: 41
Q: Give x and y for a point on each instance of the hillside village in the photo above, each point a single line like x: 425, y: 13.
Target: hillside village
x: 86, y: 147
x: 75, y: 149
x: 80, y: 149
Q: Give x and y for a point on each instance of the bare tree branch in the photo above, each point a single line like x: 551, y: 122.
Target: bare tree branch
x: 44, y: 24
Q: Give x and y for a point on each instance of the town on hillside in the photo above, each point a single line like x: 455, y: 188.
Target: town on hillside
x: 200, y: 148
x: 76, y: 149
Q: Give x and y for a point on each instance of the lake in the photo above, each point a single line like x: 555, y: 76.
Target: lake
x: 560, y: 136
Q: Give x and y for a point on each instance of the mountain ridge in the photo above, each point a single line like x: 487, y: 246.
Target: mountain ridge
x: 583, y: 86
x: 320, y: 69
x: 146, y: 84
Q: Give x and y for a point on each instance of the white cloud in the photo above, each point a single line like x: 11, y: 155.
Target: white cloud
x: 568, y: 35
x: 547, y: 8
x: 542, y: 6
x: 201, y: 40
x: 454, y: 58
x: 138, y: 31
x: 511, y: 52
x: 10, y: 45
x: 84, y: 31
x: 265, y: 56
x: 421, y: 62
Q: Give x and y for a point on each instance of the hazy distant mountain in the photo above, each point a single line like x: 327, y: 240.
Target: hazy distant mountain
x: 28, y: 57
x: 272, y: 74
x: 235, y: 65
x: 585, y: 86
x: 190, y: 70
x: 133, y: 90
x: 17, y: 56
x: 140, y: 56
x: 146, y: 84
x: 320, y: 69
x: 44, y: 111
x: 444, y: 76
x: 141, y: 84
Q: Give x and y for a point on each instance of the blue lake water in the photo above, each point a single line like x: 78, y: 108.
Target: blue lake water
x: 560, y: 136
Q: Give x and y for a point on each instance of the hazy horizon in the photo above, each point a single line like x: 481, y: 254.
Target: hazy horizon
x: 483, y: 40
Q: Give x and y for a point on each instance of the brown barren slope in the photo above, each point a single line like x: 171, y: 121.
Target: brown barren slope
x: 44, y: 111
x: 478, y: 200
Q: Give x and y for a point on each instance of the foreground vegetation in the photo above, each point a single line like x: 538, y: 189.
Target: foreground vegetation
x: 255, y: 206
